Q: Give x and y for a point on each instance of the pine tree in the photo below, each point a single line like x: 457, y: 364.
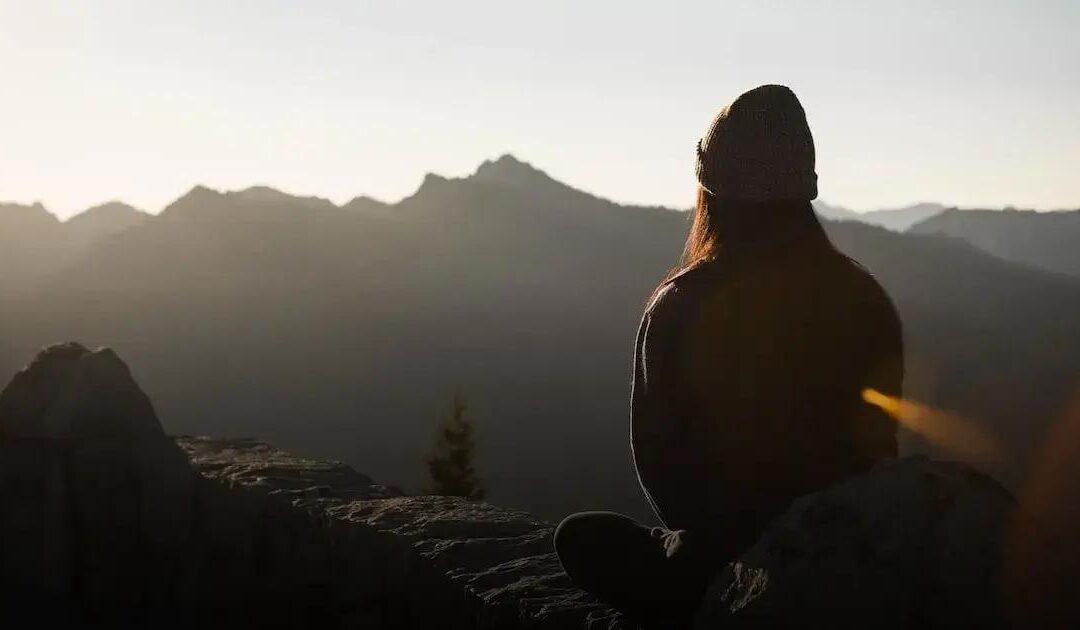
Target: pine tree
x: 450, y: 462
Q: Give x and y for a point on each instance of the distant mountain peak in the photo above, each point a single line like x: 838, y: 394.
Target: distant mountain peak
x: 366, y: 204
x: 508, y: 169
x: 267, y: 194
x: 17, y: 214
x: 111, y: 209
x: 261, y: 192
x: 37, y: 207
x: 198, y: 191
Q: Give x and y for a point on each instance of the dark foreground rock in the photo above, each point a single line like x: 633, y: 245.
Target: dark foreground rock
x: 104, y: 520
x: 912, y: 544
x: 446, y: 562
x: 96, y: 500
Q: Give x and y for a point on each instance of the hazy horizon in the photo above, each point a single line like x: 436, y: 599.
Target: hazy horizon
x: 966, y: 104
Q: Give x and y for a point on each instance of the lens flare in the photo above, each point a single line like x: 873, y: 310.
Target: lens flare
x: 956, y: 434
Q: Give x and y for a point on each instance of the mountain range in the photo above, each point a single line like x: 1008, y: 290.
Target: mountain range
x: 1047, y: 240
x: 344, y: 331
x: 896, y: 219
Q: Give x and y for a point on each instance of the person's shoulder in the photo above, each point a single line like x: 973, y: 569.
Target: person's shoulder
x: 679, y: 290
x: 868, y: 289
x: 858, y: 273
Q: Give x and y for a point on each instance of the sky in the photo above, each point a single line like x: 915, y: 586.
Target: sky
x: 969, y: 103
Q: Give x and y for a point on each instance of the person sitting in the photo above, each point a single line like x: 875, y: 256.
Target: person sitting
x: 749, y: 371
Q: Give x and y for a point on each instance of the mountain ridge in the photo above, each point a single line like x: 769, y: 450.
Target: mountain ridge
x: 1044, y: 240
x: 343, y: 333
x: 509, y: 170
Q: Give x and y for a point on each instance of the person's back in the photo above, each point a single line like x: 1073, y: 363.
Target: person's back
x: 749, y: 371
x: 759, y: 360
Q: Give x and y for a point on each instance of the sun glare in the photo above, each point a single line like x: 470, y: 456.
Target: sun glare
x: 948, y: 430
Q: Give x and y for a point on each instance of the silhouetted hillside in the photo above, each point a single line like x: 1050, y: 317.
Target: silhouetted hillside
x: 33, y: 242
x: 343, y: 332
x: 27, y: 238
x: 1049, y: 240
x: 900, y: 219
x: 895, y: 219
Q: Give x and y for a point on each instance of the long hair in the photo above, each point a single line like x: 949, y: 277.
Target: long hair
x: 737, y: 225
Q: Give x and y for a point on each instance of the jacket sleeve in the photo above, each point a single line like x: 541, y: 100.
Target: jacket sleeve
x: 663, y: 449
x: 875, y: 429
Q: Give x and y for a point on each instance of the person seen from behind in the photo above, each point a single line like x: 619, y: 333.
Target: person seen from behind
x: 749, y: 368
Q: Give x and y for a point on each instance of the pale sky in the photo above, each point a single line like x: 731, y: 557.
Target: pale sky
x: 971, y: 103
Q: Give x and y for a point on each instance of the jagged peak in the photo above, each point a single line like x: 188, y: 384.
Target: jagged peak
x: 199, y: 191
x: 260, y: 191
x: 112, y: 209
x: 433, y: 178
x: 37, y: 206
x: 508, y: 169
x: 364, y: 203
x: 252, y: 196
x: 269, y: 194
x: 431, y: 182
x: 195, y: 197
x: 35, y: 212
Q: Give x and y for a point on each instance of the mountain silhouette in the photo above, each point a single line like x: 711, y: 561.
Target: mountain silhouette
x: 1048, y: 240
x: 895, y: 219
x: 900, y: 219
x: 33, y: 242
x: 367, y: 205
x: 344, y: 332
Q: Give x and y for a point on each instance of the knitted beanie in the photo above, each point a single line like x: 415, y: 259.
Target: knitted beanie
x: 759, y: 149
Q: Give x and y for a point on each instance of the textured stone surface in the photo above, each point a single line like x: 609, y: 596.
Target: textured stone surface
x: 500, y: 558
x: 456, y: 563
x: 913, y: 543
x: 253, y: 465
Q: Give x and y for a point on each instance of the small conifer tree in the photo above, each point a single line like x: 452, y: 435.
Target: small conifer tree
x: 450, y: 462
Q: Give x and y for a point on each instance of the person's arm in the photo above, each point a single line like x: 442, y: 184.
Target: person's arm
x: 876, y: 430
x: 665, y: 454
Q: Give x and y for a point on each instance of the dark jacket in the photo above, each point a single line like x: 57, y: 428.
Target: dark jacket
x: 748, y: 379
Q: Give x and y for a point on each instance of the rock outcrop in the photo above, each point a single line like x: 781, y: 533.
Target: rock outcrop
x: 105, y: 520
x: 448, y: 561
x: 912, y: 544
x: 97, y: 501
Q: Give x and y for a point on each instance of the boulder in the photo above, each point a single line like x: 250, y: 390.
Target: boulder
x: 912, y: 543
x: 96, y: 498
x: 69, y: 392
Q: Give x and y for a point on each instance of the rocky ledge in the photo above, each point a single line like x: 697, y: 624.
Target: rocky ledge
x: 456, y: 562
x: 106, y: 520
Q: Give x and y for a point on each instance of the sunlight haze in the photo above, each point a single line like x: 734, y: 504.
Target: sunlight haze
x: 965, y: 103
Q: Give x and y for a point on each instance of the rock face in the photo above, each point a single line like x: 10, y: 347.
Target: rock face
x: 96, y: 499
x: 912, y: 544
